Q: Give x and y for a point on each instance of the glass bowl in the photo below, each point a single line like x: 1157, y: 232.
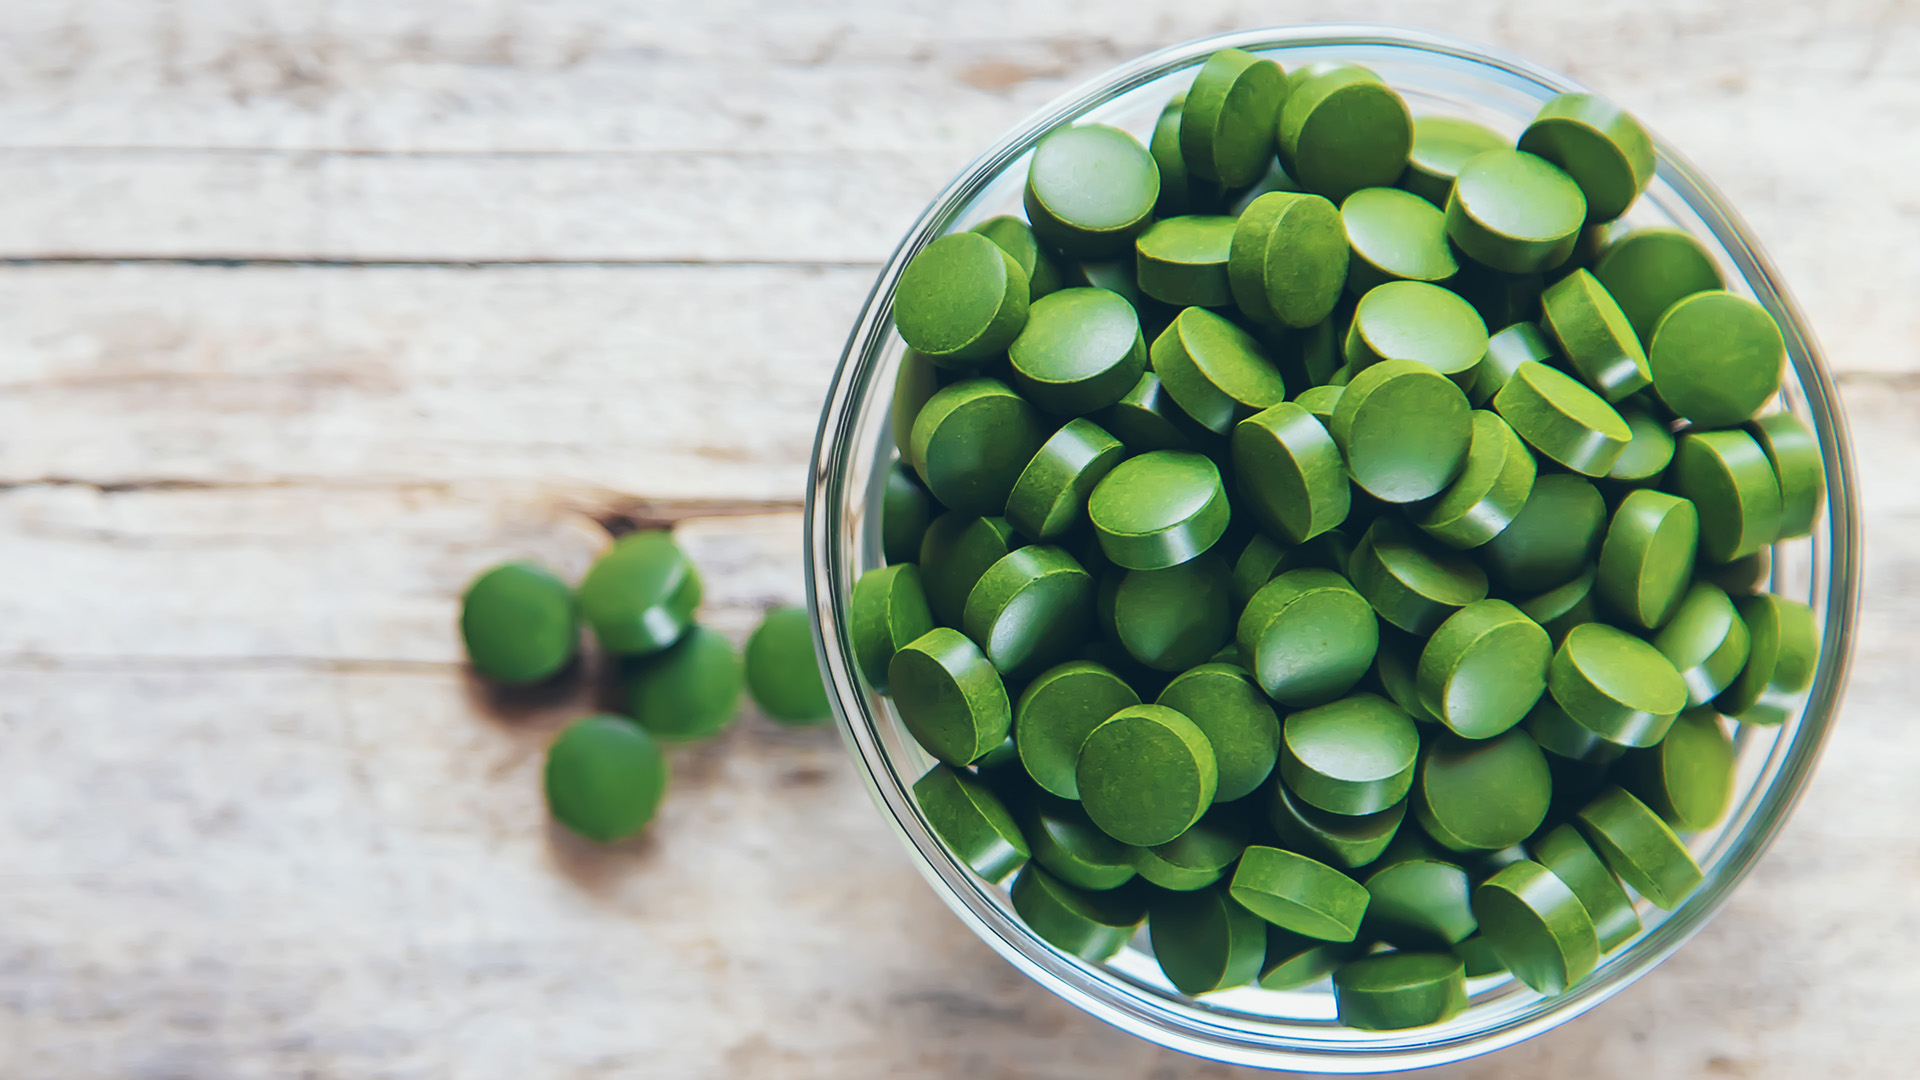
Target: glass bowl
x: 1296, y: 1030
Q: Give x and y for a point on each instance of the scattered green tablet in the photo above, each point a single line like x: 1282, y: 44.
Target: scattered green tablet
x: 690, y: 689
x: 604, y: 778
x: 1648, y: 271
x: 1299, y: 894
x: 1537, y: 926
x: 782, y: 673
x: 887, y: 612
x: 1173, y: 618
x: 1183, y: 260
x: 639, y: 597
x: 1394, y: 235
x: 519, y: 623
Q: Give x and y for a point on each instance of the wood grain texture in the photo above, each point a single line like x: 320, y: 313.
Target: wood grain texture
x: 260, y: 822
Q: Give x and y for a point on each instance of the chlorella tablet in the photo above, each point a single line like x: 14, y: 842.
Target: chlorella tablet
x: 1293, y: 961
x: 1215, y: 371
x: 1081, y: 351
x: 1146, y: 419
x: 949, y: 696
x: 1559, y: 734
x: 1537, y: 926
x: 1419, y: 902
x: 971, y: 441
x: 905, y: 512
x: 1556, y: 534
x: 1205, y: 941
x: 1574, y: 862
x: 1482, y: 795
x: 1299, y: 894
x: 1562, y: 419
x: 1017, y: 240
x: 1237, y: 719
x: 519, y: 623
x: 887, y: 611
x: 604, y: 778
x: 1515, y: 212
x: 1649, y: 449
x: 1647, y: 557
x: 1506, y: 351
x: 957, y: 549
x: 961, y: 300
x: 972, y: 822
x: 1091, y: 189
x: 1394, y: 235
x: 1640, y: 848
x: 1616, y: 685
x: 1146, y: 775
x: 1647, y: 271
x: 1288, y: 260
x: 1290, y: 472
x: 1780, y: 662
x: 1412, y: 320
x: 1688, y: 778
x: 1794, y: 453
x: 1183, y: 260
x: 1068, y: 845
x: 1728, y: 477
x: 1716, y: 358
x: 1057, y: 711
x: 690, y: 689
x: 1196, y: 858
x: 1341, y: 130
x: 1353, y: 756
x: 1181, y: 190
x: 1159, y: 509
x: 640, y: 596
x: 1227, y: 118
x: 1050, y: 497
x: 1595, y: 336
x: 1175, y: 617
x: 1405, y: 429
x: 1484, y: 668
x: 1413, y: 583
x: 1441, y: 144
x: 1349, y: 840
x: 1707, y: 641
x: 1309, y: 636
x: 1489, y: 492
x: 1605, y: 150
x: 1397, y: 990
x: 1090, y: 925
x: 782, y: 672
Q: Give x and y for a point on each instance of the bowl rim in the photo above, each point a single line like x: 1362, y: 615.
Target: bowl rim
x: 1835, y: 584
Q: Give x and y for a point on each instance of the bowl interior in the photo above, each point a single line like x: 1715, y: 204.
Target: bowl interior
x: 1296, y: 1029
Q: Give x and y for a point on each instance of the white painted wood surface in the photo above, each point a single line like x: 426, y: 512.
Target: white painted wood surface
x: 309, y: 310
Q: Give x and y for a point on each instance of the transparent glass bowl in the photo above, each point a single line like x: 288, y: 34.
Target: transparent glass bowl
x: 1296, y: 1030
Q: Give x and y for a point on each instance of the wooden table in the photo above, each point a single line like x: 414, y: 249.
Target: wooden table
x: 309, y: 310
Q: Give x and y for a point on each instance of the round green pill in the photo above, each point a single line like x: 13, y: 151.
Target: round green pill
x: 1688, y: 778
x: 1394, y: 235
x: 916, y: 382
x: 1057, y: 711
x: 1728, y: 477
x: 1398, y: 990
x: 1181, y: 190
x: 1537, y: 927
x: 949, y: 696
x: 1405, y: 429
x: 1794, y: 453
x: 1556, y: 534
x: 1716, y: 358
x: 1288, y: 260
x: 1616, y: 685
x: 1575, y: 863
x: 1226, y: 121
x: 887, y: 612
x: 1309, y: 635
x: 1337, y: 839
x: 1478, y: 957
x: 1017, y: 240
x: 1413, y: 320
x: 971, y: 442
x: 1707, y: 641
x: 1294, y: 961
x: 1515, y: 212
x: 1320, y: 401
x: 1563, y: 607
x: 1030, y: 609
x: 1489, y: 492
x: 972, y: 822
x: 1290, y: 472
x: 1299, y: 894
x: 1091, y: 189
x: 1647, y: 557
x: 1605, y: 150
x: 1080, y: 352
x: 1050, y: 497
x: 1174, y: 618
x: 1741, y: 577
x: 1146, y: 419
x: 1482, y: 795
x: 1070, y: 847
x: 1647, y: 271
x: 1183, y: 260
x: 1159, y: 509
x: 783, y: 674
x: 905, y: 511
x: 1649, y: 451
x: 961, y: 300
x: 1353, y: 756
x: 1419, y: 903
x: 1198, y: 857
x: 690, y: 689
x: 1412, y: 584
x: 1562, y: 419
x: 1230, y: 710
x: 1205, y: 941
x: 1441, y: 144
x: 639, y: 596
x: 519, y: 623
x: 1342, y: 130
x: 1215, y: 371
x: 1780, y: 663
x: 1146, y: 775
x: 1090, y: 925
x: 1484, y: 668
x: 604, y: 778
x: 1396, y: 666
x: 1559, y: 734
x: 1595, y: 335
x: 957, y: 549
x: 1506, y: 351
x: 1639, y: 847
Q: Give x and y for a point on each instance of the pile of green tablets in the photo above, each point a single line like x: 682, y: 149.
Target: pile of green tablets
x: 1324, y: 536
x: 678, y: 680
